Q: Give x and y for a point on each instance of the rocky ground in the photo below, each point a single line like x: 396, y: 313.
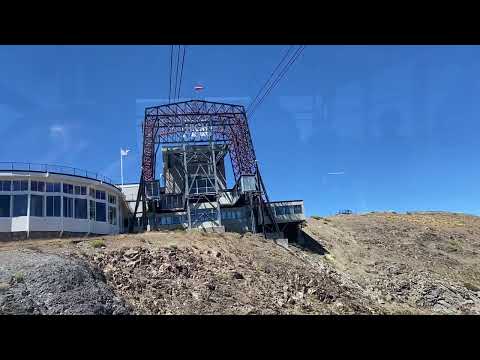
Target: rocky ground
x: 380, y: 263
x: 414, y: 263
x: 32, y: 282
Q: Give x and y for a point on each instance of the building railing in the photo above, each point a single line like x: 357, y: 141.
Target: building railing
x: 59, y: 169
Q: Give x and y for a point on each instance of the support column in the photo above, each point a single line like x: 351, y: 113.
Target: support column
x: 187, y: 195
x: 28, y: 212
x: 214, y: 159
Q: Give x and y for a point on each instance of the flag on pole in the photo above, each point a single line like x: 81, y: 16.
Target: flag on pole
x: 124, y: 152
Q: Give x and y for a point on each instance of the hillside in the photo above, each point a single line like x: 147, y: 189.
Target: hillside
x: 376, y: 263
x: 415, y: 262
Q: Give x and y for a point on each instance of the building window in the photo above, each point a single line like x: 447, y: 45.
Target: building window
x: 5, y: 185
x: 112, y: 215
x: 80, y: 208
x: 53, y: 205
x: 200, y: 215
x: 20, y: 203
x: 297, y: 209
x: 112, y: 199
x: 68, y: 188
x: 4, y: 205
x: 80, y: 190
x: 101, y: 212
x: 38, y: 186
x: 53, y: 187
x: 92, y: 209
x: 166, y: 220
x: 92, y: 192
x: 67, y: 207
x: 202, y: 184
x: 280, y: 210
x: 100, y: 195
x: 36, y: 205
x: 20, y: 185
x: 231, y: 214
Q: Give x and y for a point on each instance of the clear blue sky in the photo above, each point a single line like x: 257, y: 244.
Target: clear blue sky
x: 399, y: 123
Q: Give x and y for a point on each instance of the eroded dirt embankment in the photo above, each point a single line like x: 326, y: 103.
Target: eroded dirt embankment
x: 370, y: 264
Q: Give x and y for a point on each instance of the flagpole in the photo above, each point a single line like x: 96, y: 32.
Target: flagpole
x: 121, y: 165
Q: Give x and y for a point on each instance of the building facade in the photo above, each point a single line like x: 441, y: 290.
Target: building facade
x: 195, y: 195
x: 41, y: 203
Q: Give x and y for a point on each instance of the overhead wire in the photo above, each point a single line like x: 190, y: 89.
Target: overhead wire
x: 176, y: 73
x: 293, y: 58
x: 171, y: 61
x: 181, y: 72
x: 270, y: 78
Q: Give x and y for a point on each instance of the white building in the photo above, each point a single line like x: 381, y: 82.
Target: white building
x: 42, y: 203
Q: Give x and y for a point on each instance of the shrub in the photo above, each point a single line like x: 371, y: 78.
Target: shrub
x: 316, y: 217
x: 19, y: 277
x: 97, y: 243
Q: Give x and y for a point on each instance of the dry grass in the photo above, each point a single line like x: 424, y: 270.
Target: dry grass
x: 97, y: 243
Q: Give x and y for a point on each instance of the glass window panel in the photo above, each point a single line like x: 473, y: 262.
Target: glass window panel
x: 83, y: 190
x: 112, y: 215
x: 53, y: 187
x: 53, y: 205
x: 92, y: 209
x: 20, y: 203
x: 38, y: 186
x: 67, y: 207
x: 100, y: 195
x: 20, y: 185
x: 4, y: 205
x: 77, y: 190
x: 50, y: 205
x: 68, y: 188
x: 57, y: 205
x: 101, y: 211
x: 6, y: 185
x: 36, y: 205
x: 80, y: 208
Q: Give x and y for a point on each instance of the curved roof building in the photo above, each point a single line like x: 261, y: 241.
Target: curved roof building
x: 53, y: 201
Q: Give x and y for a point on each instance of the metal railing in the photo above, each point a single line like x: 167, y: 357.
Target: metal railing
x: 58, y: 169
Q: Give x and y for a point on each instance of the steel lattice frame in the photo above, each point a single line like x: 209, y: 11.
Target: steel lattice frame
x: 197, y: 121
x: 194, y: 122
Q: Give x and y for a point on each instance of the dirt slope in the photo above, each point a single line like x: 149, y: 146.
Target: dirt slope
x: 418, y: 262
x: 376, y: 264
x: 193, y: 273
